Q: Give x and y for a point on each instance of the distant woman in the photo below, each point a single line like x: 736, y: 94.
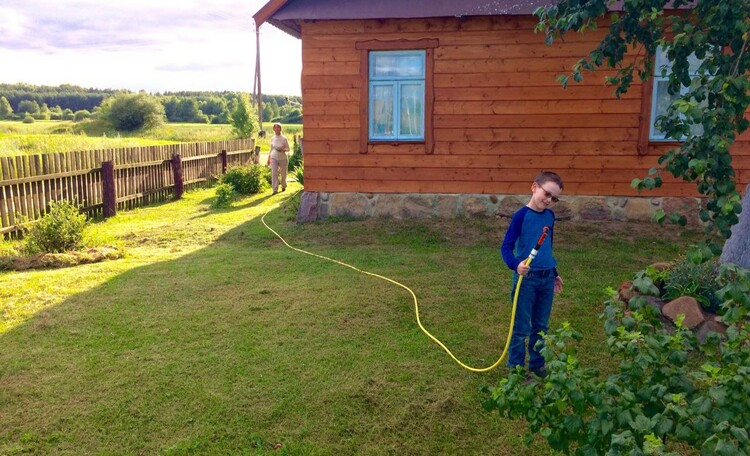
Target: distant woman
x: 277, y: 158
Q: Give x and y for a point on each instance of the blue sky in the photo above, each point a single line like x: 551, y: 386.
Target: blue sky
x: 150, y: 45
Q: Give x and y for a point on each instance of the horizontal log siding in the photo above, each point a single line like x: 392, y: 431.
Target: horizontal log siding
x: 500, y: 115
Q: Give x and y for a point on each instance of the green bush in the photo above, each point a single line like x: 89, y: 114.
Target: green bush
x: 668, y: 391
x: 59, y: 230
x: 296, y: 159
x: 299, y: 174
x: 698, y: 280
x: 245, y: 180
x: 130, y: 112
x: 27, y: 119
x: 224, y: 195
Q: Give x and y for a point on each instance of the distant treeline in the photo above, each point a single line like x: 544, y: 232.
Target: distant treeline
x: 64, y: 101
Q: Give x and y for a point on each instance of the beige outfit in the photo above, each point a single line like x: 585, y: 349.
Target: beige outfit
x: 279, y: 161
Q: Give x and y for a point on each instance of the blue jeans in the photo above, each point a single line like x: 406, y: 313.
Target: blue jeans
x: 532, y: 317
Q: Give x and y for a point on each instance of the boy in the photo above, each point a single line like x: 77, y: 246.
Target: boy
x: 540, y: 278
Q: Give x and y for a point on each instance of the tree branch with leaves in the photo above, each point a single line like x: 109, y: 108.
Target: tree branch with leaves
x: 709, y: 103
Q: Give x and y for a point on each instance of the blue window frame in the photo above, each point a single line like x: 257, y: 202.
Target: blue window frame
x: 397, y: 95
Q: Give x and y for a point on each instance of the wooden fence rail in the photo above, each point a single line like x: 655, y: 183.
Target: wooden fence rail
x: 104, y: 181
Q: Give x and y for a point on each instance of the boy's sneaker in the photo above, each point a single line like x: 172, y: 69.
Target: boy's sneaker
x: 540, y: 372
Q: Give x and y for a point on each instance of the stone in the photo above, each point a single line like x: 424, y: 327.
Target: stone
x: 594, y: 209
x: 688, y: 306
x: 509, y: 205
x: 474, y: 206
x: 446, y: 206
x: 737, y: 247
x: 624, y: 292
x: 689, y: 207
x: 563, y: 211
x: 308, y: 208
x: 661, y: 266
x: 639, y: 209
x: 708, y: 327
x: 355, y: 205
x: 417, y: 207
x: 388, y: 205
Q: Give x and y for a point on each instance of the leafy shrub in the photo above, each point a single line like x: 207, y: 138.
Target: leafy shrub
x: 27, y: 119
x: 130, y: 112
x: 224, y: 195
x: 698, y: 280
x: 296, y: 159
x: 299, y: 174
x: 82, y: 114
x: 243, y: 122
x: 245, y: 180
x: 659, y: 394
x: 59, y: 230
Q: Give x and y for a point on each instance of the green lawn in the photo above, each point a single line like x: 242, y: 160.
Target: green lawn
x: 212, y: 337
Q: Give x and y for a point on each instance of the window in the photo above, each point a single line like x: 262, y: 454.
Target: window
x: 661, y: 99
x: 397, y: 95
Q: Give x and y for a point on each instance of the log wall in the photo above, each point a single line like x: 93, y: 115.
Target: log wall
x: 500, y: 115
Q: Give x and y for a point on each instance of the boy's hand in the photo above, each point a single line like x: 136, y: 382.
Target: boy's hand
x: 523, y: 268
x: 558, y: 284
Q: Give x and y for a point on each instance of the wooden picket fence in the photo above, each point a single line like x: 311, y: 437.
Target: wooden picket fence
x: 104, y: 181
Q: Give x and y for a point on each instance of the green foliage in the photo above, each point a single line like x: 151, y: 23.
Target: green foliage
x: 696, y: 279
x: 296, y: 159
x: 224, y: 196
x: 243, y: 122
x: 28, y: 118
x: 27, y: 107
x: 715, y: 31
x: 6, y: 110
x: 130, y: 112
x: 81, y: 115
x: 245, y: 180
x: 299, y: 173
x: 658, y: 395
x: 59, y: 230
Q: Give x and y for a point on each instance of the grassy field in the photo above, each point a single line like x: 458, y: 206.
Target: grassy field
x: 212, y: 337
x: 41, y: 137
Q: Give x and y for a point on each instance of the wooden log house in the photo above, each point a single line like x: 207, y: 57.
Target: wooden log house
x: 441, y: 108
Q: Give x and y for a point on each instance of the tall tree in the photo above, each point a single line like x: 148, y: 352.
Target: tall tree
x: 244, y: 124
x: 714, y: 96
x: 6, y: 110
x: 28, y: 107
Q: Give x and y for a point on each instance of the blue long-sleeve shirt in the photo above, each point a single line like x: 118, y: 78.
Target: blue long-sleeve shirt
x: 523, y: 233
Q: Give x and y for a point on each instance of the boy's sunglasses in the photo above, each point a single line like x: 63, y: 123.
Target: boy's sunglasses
x: 549, y: 195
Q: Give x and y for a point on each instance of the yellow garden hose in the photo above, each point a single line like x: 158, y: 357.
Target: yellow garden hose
x: 416, y: 302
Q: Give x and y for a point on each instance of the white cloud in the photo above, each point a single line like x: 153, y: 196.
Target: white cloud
x: 144, y: 44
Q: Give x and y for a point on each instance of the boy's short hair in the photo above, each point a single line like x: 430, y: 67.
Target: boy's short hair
x: 548, y: 176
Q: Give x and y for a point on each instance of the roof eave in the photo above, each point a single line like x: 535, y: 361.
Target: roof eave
x: 268, y: 10
x: 291, y: 27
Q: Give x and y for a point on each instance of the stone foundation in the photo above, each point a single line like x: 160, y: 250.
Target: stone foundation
x: 319, y: 206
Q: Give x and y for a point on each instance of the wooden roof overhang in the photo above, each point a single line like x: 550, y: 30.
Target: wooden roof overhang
x: 287, y: 15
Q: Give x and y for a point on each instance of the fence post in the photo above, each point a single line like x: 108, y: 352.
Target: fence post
x: 223, y: 161
x: 109, y: 193
x: 177, y: 171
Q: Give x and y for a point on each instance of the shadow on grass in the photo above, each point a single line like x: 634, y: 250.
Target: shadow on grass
x: 247, y: 347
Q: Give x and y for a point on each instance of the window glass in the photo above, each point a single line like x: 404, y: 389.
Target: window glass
x: 412, y: 109
x: 382, y: 111
x: 397, y: 95
x: 661, y: 99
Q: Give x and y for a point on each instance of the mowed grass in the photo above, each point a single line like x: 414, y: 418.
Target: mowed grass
x: 212, y: 337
